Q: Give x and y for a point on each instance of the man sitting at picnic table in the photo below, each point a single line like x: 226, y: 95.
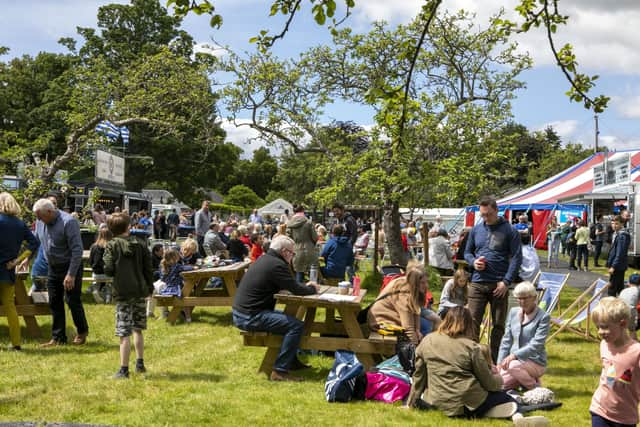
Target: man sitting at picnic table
x: 254, y: 304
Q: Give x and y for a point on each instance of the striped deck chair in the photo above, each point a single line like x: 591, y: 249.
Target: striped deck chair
x: 551, y: 284
x: 583, y: 313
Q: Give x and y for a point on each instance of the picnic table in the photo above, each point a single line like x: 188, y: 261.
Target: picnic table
x: 344, y: 334
x: 27, y: 308
x: 194, y: 293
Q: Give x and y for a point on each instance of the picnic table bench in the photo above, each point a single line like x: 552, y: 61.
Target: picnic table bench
x: 194, y: 293
x: 328, y: 334
x: 27, y: 308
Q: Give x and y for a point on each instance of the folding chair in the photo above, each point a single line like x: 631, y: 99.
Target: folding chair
x: 596, y: 290
x: 550, y: 284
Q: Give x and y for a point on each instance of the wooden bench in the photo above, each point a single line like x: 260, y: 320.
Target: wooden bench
x: 376, y: 345
x: 27, y: 308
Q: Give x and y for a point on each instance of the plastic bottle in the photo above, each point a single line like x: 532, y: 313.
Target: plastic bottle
x: 313, y: 274
x: 356, y: 285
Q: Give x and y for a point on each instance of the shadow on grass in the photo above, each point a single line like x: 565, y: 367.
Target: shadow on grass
x: 577, y: 371
x: 88, y: 348
x: 187, y: 376
x: 561, y: 393
x: 572, y: 339
x: 207, y: 316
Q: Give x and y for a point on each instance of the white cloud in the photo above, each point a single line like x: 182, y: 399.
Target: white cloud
x: 246, y: 138
x: 210, y: 48
x: 628, y: 106
x: 603, y: 34
x: 616, y: 143
x: 566, y: 129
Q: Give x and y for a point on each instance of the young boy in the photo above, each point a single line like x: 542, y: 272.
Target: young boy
x: 128, y: 261
x: 615, y: 401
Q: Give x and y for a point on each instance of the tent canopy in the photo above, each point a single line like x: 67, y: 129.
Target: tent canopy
x: 276, y: 207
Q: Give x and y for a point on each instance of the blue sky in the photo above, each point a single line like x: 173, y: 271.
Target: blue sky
x: 603, y: 33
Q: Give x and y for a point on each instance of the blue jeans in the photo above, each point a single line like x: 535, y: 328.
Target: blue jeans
x: 300, y: 277
x: 277, y: 323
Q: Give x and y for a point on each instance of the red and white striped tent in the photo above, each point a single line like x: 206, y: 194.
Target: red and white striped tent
x: 543, y: 198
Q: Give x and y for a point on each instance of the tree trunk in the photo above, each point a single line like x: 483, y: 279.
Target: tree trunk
x: 391, y: 218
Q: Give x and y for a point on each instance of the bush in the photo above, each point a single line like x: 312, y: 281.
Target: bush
x: 435, y: 281
x: 372, y: 281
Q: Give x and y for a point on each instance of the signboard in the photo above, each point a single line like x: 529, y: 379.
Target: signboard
x: 612, y: 171
x: 568, y: 215
x: 109, y: 168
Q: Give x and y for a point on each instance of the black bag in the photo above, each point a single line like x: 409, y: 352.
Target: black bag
x: 406, y: 351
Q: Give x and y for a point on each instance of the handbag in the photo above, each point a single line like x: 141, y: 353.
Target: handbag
x: 406, y: 351
x: 385, y: 388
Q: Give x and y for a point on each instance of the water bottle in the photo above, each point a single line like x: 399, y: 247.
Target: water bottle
x: 313, y: 274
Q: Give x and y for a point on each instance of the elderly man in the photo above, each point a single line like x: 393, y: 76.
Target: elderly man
x: 59, y: 235
x: 202, y: 221
x: 213, y: 245
x: 254, y: 303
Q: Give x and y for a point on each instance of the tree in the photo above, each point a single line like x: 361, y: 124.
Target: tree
x: 241, y: 195
x: 136, y: 72
x: 460, y: 93
x: 257, y: 173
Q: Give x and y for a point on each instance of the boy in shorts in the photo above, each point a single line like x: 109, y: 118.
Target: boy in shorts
x: 128, y: 261
x: 615, y: 401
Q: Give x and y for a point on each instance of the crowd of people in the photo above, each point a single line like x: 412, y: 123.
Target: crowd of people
x: 453, y: 372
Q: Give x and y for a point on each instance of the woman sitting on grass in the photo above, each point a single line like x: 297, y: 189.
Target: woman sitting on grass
x: 522, y: 358
x: 460, y: 381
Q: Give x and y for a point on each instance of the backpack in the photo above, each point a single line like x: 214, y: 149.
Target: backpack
x: 346, y: 380
x: 592, y: 232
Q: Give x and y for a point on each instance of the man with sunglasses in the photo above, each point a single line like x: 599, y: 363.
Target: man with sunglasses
x: 254, y: 304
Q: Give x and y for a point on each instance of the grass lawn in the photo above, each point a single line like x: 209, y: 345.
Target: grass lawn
x: 201, y: 374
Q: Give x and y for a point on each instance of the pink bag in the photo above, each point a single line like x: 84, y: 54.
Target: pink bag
x: 385, y: 388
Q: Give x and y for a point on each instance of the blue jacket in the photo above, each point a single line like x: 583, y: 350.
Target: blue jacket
x: 526, y: 343
x: 338, y: 254
x: 618, y: 252
x: 174, y: 280
x: 500, y: 245
x: 13, y: 232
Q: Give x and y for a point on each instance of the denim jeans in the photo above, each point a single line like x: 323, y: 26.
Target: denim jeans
x: 277, y: 323
x: 57, y: 297
x: 300, y: 277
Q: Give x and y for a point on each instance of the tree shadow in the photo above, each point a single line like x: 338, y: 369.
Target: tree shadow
x: 561, y: 393
x: 570, y: 372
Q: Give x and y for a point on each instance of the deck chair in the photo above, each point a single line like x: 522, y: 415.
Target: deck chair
x: 550, y: 284
x: 583, y: 313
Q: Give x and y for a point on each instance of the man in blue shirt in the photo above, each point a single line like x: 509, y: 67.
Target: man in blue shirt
x: 59, y: 235
x: 494, y: 251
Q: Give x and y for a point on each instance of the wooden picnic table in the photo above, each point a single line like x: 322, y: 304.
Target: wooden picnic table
x: 194, y: 293
x: 27, y: 308
x: 339, y: 335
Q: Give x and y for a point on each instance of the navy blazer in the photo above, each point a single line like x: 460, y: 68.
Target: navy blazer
x: 13, y: 232
x: 618, y: 252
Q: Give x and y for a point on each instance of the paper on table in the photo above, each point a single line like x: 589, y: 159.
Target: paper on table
x: 337, y: 297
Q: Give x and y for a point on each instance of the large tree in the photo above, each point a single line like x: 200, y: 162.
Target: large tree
x: 463, y: 81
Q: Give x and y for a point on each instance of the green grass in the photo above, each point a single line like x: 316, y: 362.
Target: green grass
x: 200, y: 374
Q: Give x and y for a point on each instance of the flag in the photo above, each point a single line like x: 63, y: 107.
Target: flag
x: 124, y: 133
x: 108, y: 129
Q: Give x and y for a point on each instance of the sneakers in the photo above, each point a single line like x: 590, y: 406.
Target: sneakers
x: 504, y: 410
x: 14, y: 348
x: 284, y: 376
x: 534, y: 421
x: 121, y: 374
x: 97, y: 297
x: 140, y: 369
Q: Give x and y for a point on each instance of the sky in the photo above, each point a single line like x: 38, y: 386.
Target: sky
x: 603, y: 34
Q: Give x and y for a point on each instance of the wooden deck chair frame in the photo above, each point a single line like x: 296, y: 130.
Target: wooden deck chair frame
x: 543, y: 291
x: 485, y: 326
x: 566, y: 324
